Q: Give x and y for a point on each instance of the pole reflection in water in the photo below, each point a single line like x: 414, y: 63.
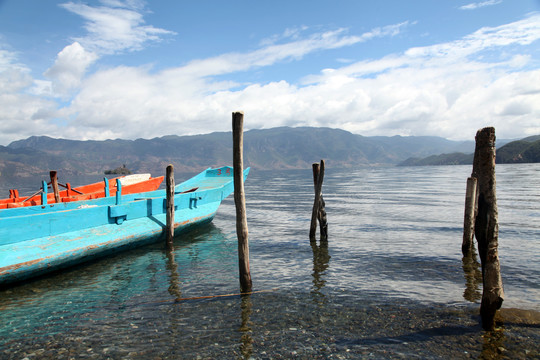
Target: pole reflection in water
x: 493, y: 346
x: 174, y: 277
x: 321, y: 259
x: 473, y: 276
x: 246, y: 340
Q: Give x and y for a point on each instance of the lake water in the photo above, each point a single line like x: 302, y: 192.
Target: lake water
x: 390, y: 283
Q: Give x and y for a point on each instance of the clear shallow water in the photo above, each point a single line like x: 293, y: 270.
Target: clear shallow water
x: 391, y: 283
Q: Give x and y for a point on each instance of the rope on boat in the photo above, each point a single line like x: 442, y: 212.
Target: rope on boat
x: 70, y: 188
x: 34, y: 194
x: 41, y: 190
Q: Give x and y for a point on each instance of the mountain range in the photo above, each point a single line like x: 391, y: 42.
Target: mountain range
x: 276, y: 148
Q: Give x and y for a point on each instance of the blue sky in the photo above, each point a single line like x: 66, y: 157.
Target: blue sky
x: 140, y: 69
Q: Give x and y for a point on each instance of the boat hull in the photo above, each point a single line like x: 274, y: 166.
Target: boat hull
x: 106, y: 228
x: 40, y: 256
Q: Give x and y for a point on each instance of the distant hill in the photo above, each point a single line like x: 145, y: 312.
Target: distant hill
x: 276, y: 148
x: 526, y: 150
x: 443, y: 159
x: 28, y: 162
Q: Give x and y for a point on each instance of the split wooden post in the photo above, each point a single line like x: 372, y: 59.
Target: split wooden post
x: 169, y: 230
x: 316, y: 212
x: 240, y: 201
x: 468, y: 221
x: 486, y: 228
x: 321, y: 212
x: 54, y: 184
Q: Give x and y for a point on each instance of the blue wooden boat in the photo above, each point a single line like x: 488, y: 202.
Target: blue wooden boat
x: 38, y: 239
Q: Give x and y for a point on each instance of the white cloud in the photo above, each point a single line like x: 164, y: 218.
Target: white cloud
x: 20, y: 109
x: 435, y: 90
x: 6, y: 59
x: 269, y: 55
x: 116, y: 27
x: 25, y: 105
x: 69, y: 68
x: 187, y: 99
x: 132, y: 4
x: 476, y: 5
x: 445, y: 89
x: 389, y: 30
x: 293, y: 33
x: 293, y: 50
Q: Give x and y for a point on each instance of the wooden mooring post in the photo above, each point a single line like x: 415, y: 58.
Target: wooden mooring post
x: 486, y: 227
x: 318, y: 212
x: 169, y: 230
x: 470, y: 212
x: 54, y: 185
x: 240, y: 202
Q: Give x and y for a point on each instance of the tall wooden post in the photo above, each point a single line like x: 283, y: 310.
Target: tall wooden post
x: 468, y: 221
x: 169, y: 231
x: 54, y: 184
x: 321, y: 212
x: 317, y: 202
x: 240, y: 201
x: 486, y: 227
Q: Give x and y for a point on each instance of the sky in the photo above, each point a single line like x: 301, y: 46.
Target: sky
x: 108, y: 69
